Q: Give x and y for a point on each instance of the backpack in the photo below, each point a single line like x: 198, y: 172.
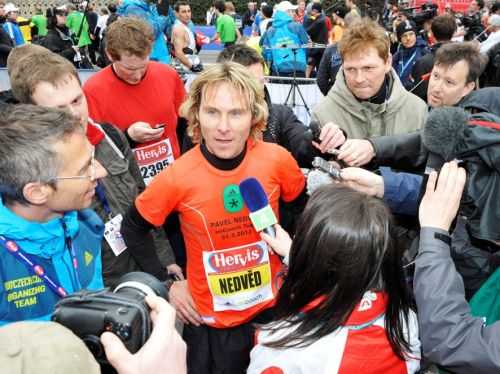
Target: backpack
x: 286, y: 60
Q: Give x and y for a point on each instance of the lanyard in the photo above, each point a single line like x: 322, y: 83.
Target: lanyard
x: 101, y: 196
x: 405, y: 66
x: 14, y: 249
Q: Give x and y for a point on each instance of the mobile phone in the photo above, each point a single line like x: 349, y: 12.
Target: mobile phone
x: 327, y: 167
x: 160, y: 126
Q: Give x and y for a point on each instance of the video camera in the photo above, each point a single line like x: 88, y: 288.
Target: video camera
x: 123, y: 312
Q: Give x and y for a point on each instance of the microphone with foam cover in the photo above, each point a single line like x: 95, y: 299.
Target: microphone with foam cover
x: 443, y: 130
x: 261, y: 213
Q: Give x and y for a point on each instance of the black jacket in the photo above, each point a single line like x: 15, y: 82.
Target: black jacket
x: 58, y: 40
x: 6, y: 46
x: 328, y: 68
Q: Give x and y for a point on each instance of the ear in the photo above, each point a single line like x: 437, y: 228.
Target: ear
x: 109, y: 56
x: 388, y: 63
x: 469, y: 87
x: 37, y: 193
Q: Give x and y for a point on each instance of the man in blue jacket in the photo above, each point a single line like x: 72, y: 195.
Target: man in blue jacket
x: 50, y: 243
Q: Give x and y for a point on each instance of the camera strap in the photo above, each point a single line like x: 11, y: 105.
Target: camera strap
x: 13, y: 248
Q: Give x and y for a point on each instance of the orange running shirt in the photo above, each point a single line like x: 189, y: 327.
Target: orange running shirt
x: 214, y: 218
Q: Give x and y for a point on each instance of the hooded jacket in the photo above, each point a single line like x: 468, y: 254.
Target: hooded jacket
x: 24, y: 295
x: 402, y: 112
x: 161, y: 25
x: 284, y: 32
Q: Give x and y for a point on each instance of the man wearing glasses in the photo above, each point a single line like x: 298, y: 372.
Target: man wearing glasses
x: 50, y: 243
x: 47, y: 79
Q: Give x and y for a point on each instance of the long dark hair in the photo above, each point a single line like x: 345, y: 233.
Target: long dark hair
x: 342, y: 248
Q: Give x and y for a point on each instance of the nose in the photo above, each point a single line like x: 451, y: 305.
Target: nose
x: 359, y: 77
x: 223, y: 126
x: 100, y: 172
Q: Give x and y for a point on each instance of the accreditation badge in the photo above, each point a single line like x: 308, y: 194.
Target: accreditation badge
x: 240, y: 277
x: 153, y: 158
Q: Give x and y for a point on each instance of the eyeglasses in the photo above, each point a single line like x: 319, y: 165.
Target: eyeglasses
x: 91, y: 172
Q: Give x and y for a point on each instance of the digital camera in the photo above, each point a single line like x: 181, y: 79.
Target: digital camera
x: 123, y: 312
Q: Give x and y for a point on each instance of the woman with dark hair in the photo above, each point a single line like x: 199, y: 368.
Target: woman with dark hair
x: 58, y: 38
x: 344, y: 306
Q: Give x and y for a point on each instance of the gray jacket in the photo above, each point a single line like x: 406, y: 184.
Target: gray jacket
x: 401, y: 113
x: 450, y: 335
x: 122, y: 184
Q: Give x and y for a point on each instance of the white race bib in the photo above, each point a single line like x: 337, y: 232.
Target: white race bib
x: 240, y: 277
x: 153, y: 158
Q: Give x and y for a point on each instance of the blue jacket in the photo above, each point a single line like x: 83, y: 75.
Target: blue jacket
x: 162, y: 25
x: 14, y: 32
x: 25, y: 296
x: 401, y: 191
x: 285, y: 32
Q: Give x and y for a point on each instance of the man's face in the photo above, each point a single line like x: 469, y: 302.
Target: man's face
x: 66, y: 94
x: 408, y: 39
x: 365, y: 72
x: 2, y: 12
x: 448, y: 84
x: 184, y: 14
x: 474, y: 7
x: 225, y: 120
x: 76, y: 156
x: 131, y: 68
x: 302, y: 6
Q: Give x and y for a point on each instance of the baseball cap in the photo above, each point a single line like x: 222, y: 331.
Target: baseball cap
x: 494, y: 20
x: 9, y: 7
x: 285, y: 6
x: 43, y: 347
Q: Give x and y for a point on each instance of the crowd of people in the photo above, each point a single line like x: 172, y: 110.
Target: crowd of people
x: 384, y: 261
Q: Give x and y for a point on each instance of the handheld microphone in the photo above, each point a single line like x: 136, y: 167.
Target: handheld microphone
x: 261, y: 213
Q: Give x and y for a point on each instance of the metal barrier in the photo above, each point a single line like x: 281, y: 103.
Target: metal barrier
x: 278, y: 91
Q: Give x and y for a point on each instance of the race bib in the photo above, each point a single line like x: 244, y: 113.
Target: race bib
x: 153, y: 158
x: 113, y: 235
x: 238, y: 278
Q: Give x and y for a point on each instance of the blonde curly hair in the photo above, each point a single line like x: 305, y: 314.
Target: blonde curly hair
x: 237, y: 76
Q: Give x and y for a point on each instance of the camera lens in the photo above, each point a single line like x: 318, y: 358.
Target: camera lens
x: 138, y: 285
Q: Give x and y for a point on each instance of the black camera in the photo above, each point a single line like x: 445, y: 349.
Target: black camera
x: 123, y: 312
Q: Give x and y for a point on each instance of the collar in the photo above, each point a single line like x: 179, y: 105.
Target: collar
x: 223, y: 164
x: 41, y: 239
x: 372, y: 305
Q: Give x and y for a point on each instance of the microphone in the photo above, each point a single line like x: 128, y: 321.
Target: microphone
x: 444, y: 128
x: 261, y: 213
x: 315, y: 179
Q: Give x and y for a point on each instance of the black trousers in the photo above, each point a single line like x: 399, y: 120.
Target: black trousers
x: 221, y: 351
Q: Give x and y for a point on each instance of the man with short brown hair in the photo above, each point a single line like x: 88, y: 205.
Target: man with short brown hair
x: 368, y: 98
x: 139, y: 96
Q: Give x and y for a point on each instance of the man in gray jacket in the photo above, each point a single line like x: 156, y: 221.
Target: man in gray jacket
x: 368, y: 98
x: 44, y: 78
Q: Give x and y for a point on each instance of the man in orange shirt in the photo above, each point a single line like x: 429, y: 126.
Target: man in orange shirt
x: 232, y: 276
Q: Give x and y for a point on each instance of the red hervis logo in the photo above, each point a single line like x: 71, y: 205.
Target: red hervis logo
x: 151, y: 153
x: 236, y: 259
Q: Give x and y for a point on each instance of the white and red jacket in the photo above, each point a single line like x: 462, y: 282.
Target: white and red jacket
x: 360, y: 346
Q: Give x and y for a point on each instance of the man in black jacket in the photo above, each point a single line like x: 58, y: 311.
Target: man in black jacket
x: 315, y: 26
x: 442, y: 27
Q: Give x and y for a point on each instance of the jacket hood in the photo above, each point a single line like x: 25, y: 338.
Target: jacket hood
x: 40, y: 239
x: 122, y: 9
x: 281, y: 18
x: 341, y: 94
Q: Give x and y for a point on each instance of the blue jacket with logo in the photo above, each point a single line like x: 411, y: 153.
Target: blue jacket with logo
x: 25, y: 296
x: 284, y: 32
